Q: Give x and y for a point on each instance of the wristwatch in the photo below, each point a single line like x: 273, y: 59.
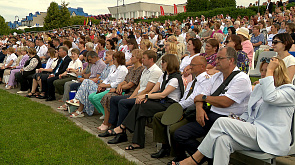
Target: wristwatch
x: 204, y: 97
x: 146, y: 96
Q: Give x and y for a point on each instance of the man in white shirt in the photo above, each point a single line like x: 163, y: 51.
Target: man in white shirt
x: 233, y: 99
x: 153, y: 38
x: 120, y: 105
x: 42, y: 51
x: 194, y: 88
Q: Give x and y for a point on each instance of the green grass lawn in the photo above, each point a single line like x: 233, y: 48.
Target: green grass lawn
x: 32, y: 133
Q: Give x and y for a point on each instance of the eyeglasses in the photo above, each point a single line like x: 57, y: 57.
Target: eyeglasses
x: 265, y: 59
x: 221, y: 58
x: 276, y: 42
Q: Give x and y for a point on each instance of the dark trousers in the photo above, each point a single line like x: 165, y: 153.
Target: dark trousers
x: 75, y: 86
x: 44, y: 78
x: 119, y: 109
x: 1, y: 73
x: 185, y: 136
x: 136, y: 118
x: 50, y: 87
x: 24, y: 80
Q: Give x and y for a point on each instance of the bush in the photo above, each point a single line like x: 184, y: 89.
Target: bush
x: 17, y: 31
x: 232, y: 11
x: 38, y: 29
x: 79, y: 20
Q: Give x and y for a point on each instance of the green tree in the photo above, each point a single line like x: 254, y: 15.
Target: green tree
x: 4, y: 28
x: 197, y: 5
x: 79, y: 20
x: 52, y: 19
x: 65, y: 15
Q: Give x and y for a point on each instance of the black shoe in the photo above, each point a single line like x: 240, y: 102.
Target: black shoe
x: 162, y: 152
x: 50, y: 98
x: 41, y: 97
x: 107, y: 134
x: 119, y: 138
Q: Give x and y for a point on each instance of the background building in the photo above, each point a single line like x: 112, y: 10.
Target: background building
x: 143, y: 9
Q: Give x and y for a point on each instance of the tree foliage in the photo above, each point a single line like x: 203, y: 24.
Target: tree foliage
x: 4, y: 29
x: 52, y: 19
x: 57, y: 16
x: 65, y: 15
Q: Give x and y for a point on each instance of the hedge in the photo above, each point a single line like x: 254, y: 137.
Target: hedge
x: 232, y: 11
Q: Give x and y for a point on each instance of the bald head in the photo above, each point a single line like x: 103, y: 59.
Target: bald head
x: 198, y: 65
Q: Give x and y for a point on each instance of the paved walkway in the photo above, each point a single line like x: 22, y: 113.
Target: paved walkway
x: 140, y: 156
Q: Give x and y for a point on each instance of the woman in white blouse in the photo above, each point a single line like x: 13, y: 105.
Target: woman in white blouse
x: 112, y: 81
x: 194, y: 47
x: 70, y: 74
x: 282, y: 43
x: 168, y: 90
x: 9, y: 62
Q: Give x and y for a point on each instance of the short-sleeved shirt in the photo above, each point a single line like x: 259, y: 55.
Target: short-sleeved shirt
x: 238, y: 90
x: 176, y: 94
x: 133, y: 76
x: 149, y: 75
x: 186, y: 61
x: 202, y: 79
x: 75, y: 65
x: 97, y: 68
x: 289, y: 61
x: 257, y: 39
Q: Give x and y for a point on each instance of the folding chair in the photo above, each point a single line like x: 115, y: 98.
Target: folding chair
x: 256, y: 71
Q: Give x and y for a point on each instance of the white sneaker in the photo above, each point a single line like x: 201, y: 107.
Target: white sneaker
x: 101, y: 117
x: 20, y: 92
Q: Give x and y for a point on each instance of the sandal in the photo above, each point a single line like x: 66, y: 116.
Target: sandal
x: 78, y: 114
x: 30, y: 95
x: 177, y: 163
x: 63, y: 107
x: 74, y: 102
x: 131, y: 147
x: 107, y: 133
x: 41, y: 96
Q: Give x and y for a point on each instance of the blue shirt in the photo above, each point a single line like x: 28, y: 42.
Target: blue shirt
x: 257, y: 39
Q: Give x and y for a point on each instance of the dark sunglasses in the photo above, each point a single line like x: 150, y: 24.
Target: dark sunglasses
x: 276, y: 42
x: 227, y: 41
x: 265, y: 59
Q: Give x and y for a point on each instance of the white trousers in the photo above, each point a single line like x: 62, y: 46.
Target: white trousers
x: 226, y: 136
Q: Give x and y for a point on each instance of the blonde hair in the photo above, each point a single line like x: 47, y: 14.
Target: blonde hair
x: 172, y: 39
x: 280, y: 74
x: 146, y: 42
x: 172, y: 48
x: 138, y: 54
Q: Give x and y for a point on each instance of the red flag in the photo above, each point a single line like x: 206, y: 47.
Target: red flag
x: 84, y: 22
x: 184, y: 7
x: 175, y: 9
x: 162, y: 10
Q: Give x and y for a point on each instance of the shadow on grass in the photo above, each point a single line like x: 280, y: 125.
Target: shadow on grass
x: 32, y: 133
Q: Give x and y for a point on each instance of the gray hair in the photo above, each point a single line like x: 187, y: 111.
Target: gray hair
x: 231, y: 53
x: 90, y: 45
x: 64, y: 48
x: 192, y: 34
x: 219, y: 37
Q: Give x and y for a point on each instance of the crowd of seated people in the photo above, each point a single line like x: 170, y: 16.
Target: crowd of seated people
x: 130, y: 73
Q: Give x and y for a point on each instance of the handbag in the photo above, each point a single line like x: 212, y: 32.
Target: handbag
x: 190, y: 112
